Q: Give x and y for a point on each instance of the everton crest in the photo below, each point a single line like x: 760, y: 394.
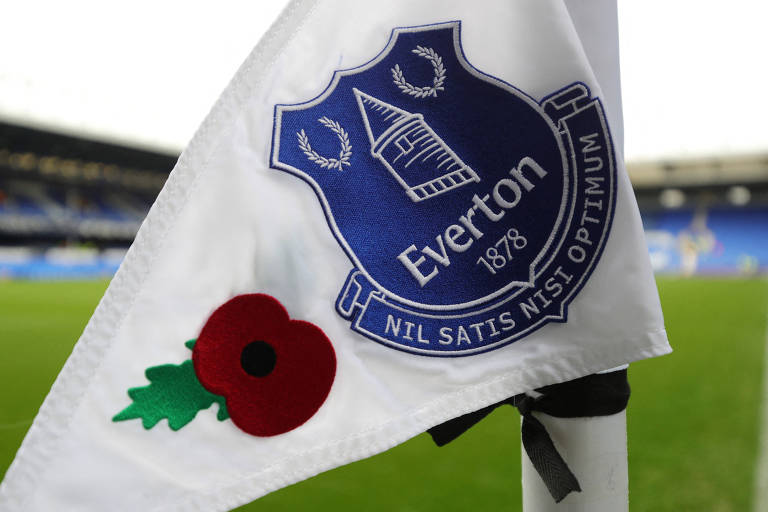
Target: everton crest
x: 471, y: 212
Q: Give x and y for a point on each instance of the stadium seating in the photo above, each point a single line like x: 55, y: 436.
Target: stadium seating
x: 717, y: 240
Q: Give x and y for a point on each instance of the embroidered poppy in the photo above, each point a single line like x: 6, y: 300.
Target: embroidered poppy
x: 274, y: 372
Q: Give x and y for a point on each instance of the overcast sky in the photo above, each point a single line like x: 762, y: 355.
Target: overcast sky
x: 694, y: 73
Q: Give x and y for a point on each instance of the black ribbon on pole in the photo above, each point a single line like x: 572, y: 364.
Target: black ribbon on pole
x: 601, y: 394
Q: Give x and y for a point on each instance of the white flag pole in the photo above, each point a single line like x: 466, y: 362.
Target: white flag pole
x: 595, y: 449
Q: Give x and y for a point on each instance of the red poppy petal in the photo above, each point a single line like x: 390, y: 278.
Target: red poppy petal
x: 236, y: 323
x: 304, y: 368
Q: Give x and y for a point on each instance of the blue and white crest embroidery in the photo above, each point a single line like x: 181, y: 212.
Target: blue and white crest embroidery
x: 471, y: 212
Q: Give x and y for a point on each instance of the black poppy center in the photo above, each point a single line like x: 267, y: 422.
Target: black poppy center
x: 258, y: 358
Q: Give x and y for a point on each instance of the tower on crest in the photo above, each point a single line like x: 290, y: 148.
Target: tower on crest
x: 411, y: 151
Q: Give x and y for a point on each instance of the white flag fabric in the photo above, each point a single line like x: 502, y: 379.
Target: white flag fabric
x: 397, y: 213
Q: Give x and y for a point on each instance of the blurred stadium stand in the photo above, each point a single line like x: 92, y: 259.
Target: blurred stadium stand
x: 705, y: 215
x: 70, y: 207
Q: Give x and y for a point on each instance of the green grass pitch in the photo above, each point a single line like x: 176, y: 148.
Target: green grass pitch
x: 693, y: 416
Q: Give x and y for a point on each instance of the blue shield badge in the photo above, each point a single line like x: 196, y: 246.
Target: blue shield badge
x: 472, y: 213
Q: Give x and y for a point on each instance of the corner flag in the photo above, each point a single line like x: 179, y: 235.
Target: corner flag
x: 397, y: 213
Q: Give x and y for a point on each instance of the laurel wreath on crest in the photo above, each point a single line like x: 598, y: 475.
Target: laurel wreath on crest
x: 328, y: 163
x: 437, y: 82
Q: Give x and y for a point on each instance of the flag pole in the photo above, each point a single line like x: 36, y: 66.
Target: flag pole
x: 595, y: 449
